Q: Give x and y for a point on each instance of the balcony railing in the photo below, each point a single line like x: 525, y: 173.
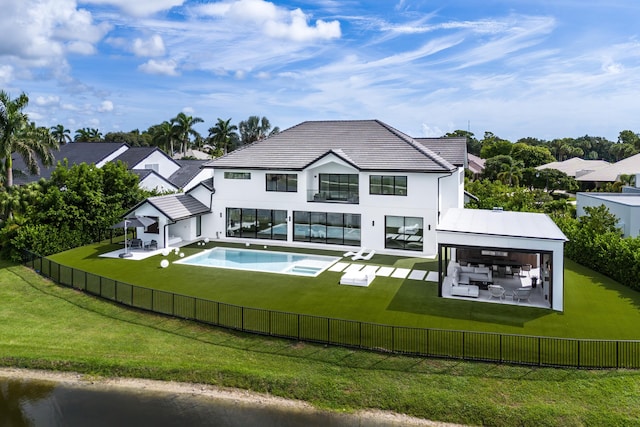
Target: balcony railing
x: 332, y: 197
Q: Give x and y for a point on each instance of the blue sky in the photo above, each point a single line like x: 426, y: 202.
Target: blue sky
x: 521, y: 68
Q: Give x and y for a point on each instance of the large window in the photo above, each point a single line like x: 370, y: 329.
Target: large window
x: 327, y: 227
x: 285, y: 182
x: 237, y: 175
x: 388, y: 185
x: 251, y: 223
x: 343, y: 187
x: 404, y: 232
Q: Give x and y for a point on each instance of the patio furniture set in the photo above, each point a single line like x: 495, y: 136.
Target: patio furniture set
x: 468, y: 280
x: 139, y: 244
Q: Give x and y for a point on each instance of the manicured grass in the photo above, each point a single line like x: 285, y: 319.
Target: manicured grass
x: 51, y: 327
x: 595, y: 306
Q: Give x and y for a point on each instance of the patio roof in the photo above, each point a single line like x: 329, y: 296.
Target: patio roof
x: 175, y: 206
x: 500, y: 223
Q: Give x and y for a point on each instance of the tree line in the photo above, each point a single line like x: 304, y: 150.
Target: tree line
x: 177, y: 135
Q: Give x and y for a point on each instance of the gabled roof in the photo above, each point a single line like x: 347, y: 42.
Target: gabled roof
x: 575, y: 165
x: 189, y: 169
x: 135, y: 155
x: 75, y: 153
x: 207, y: 183
x: 453, y: 149
x: 369, y: 144
x: 610, y: 173
x: 145, y: 173
x: 175, y: 206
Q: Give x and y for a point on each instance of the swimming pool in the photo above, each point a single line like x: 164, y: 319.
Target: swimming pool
x: 264, y: 261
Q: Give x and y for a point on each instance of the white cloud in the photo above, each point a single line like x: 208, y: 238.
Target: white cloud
x: 6, y: 74
x: 167, y: 68
x: 275, y: 21
x: 45, y: 101
x: 153, y: 46
x: 138, y: 7
x: 105, y: 107
x: 41, y: 31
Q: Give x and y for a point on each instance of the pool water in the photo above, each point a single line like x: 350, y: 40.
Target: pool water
x: 264, y: 261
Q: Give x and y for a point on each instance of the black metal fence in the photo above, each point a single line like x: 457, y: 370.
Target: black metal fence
x: 451, y: 344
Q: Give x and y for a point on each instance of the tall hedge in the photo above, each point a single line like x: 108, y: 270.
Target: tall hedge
x: 603, y: 250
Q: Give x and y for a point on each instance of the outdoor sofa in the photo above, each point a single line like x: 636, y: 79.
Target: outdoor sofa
x: 461, y: 277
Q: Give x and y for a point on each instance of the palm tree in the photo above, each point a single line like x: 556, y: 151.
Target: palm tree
x: 183, y: 127
x: 61, y: 134
x: 511, y: 173
x: 88, y: 135
x: 255, y: 129
x: 223, y: 134
x: 164, y: 135
x: 17, y: 135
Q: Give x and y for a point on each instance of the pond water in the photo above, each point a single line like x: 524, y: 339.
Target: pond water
x: 44, y: 403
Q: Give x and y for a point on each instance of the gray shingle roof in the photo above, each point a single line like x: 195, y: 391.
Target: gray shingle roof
x: 75, y: 153
x: 178, y: 206
x: 367, y: 144
x: 189, y: 169
x: 453, y: 149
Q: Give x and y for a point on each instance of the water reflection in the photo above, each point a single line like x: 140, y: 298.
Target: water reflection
x: 30, y: 403
x: 15, y: 396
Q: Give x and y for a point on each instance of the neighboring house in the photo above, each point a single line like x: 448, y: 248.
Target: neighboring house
x: 193, y: 154
x: 156, y: 170
x: 625, y: 206
x: 190, y: 174
x: 612, y: 172
x: 339, y: 185
x: 576, y: 166
x: 475, y: 165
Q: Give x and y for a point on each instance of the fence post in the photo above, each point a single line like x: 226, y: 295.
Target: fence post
x: 463, y: 354
x: 617, y: 355
x: 501, y: 347
x: 539, y: 351
x: 578, y: 353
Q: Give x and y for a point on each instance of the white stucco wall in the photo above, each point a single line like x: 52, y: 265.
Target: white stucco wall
x: 628, y: 215
x: 421, y: 201
x: 155, y: 182
x: 166, y: 166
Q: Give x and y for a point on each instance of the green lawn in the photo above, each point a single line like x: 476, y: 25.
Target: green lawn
x: 51, y: 327
x: 595, y: 306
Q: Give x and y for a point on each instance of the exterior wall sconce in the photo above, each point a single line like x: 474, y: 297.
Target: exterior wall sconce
x: 220, y: 214
x: 289, y: 218
x: 373, y: 223
x: 429, y: 227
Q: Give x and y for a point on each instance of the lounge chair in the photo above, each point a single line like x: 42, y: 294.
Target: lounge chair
x: 151, y: 245
x: 351, y: 253
x: 363, y: 257
x: 521, y: 294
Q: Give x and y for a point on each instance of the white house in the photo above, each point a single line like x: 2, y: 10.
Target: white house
x: 337, y: 185
x: 334, y: 183
x: 625, y: 206
x: 156, y: 170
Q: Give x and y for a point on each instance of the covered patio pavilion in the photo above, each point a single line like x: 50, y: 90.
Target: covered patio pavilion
x: 481, y: 251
